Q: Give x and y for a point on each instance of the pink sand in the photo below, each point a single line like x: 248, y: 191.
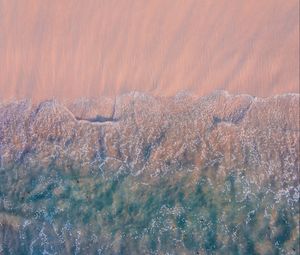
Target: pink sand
x: 70, y: 49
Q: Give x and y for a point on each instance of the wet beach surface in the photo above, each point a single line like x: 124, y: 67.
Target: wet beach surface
x: 184, y: 175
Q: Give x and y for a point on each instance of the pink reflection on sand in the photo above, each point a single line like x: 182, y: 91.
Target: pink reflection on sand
x: 70, y: 49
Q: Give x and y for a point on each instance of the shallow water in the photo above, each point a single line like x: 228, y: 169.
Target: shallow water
x: 54, y: 213
x: 215, y: 175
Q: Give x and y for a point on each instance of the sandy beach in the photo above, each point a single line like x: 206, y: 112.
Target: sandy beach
x: 72, y: 49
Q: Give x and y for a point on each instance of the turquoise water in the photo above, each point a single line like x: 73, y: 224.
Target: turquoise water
x: 52, y: 211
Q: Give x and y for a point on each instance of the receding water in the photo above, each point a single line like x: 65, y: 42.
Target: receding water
x: 52, y: 211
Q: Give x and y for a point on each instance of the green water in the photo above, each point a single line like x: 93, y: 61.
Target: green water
x: 50, y: 211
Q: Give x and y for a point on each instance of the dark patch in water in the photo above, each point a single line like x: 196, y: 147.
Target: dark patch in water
x: 99, y: 118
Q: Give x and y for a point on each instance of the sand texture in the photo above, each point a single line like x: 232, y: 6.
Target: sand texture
x: 91, y: 48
